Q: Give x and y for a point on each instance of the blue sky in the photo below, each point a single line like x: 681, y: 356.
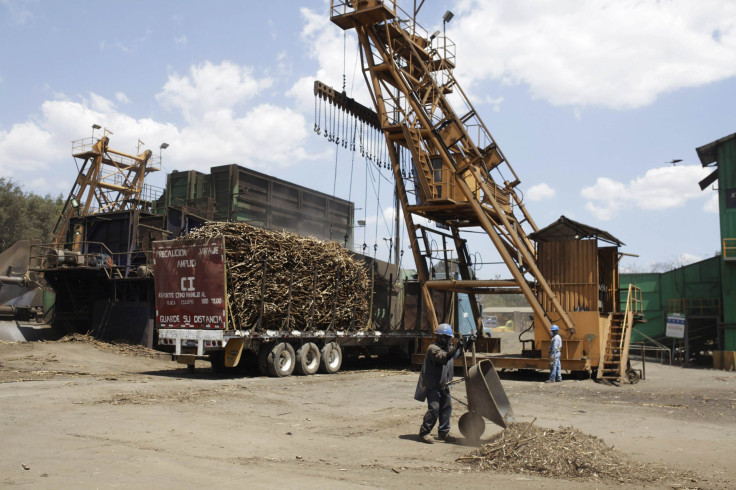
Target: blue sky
x: 587, y: 99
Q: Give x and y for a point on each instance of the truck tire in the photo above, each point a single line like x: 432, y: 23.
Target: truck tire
x: 281, y: 360
x: 307, y: 359
x: 331, y: 358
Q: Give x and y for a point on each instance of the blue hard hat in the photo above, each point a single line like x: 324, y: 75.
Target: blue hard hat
x: 444, y: 329
x: 554, y: 328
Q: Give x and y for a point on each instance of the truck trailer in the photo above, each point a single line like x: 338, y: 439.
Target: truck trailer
x: 195, y: 319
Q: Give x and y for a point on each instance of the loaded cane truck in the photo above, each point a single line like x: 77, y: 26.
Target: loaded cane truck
x: 197, y: 295
x: 193, y: 317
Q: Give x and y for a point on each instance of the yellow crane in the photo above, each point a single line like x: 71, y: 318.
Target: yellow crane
x: 460, y: 178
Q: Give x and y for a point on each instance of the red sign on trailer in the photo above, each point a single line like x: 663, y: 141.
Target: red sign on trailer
x: 190, y: 283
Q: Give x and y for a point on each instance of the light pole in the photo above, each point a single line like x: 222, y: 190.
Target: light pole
x: 161, y: 149
x: 445, y: 19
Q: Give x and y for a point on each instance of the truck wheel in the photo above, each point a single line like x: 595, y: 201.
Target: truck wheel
x: 281, y: 360
x: 331, y: 358
x: 307, y: 359
x: 263, y: 351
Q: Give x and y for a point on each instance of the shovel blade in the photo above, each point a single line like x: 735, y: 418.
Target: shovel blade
x: 486, y: 395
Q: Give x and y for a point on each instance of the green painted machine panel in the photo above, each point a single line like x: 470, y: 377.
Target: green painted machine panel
x: 649, y: 284
x: 694, y: 289
x: 727, y: 198
x: 235, y: 193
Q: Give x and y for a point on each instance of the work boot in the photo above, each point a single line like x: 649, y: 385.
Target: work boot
x: 550, y: 381
x: 426, y: 438
x: 446, y: 438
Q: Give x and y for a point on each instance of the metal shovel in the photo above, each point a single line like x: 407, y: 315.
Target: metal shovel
x: 486, y: 398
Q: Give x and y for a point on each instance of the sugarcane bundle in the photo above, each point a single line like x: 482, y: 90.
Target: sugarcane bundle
x: 290, y: 281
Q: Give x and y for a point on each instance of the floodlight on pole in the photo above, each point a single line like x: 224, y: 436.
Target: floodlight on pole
x: 161, y: 148
x: 445, y: 19
x: 95, y: 126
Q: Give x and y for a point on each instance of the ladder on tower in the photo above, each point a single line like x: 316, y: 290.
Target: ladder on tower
x: 615, y: 357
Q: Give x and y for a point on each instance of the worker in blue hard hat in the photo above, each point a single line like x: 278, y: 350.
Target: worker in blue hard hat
x: 555, y: 346
x: 434, y: 379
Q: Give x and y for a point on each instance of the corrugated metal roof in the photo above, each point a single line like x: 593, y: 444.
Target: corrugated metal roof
x: 709, y: 153
x: 567, y: 229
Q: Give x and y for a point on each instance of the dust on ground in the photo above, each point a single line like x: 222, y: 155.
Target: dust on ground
x: 86, y: 414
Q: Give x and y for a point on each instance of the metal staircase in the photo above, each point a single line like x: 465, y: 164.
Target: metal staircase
x: 615, y: 360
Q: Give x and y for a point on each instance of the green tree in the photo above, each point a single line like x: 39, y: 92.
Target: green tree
x: 12, y: 207
x: 26, y: 215
x: 42, y: 214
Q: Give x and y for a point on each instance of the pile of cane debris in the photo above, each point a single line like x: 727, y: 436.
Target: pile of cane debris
x: 309, y: 283
x: 117, y: 346
x: 564, y: 453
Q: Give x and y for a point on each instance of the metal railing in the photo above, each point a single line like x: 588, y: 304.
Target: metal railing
x: 695, y: 306
x: 656, y: 347
x: 85, y: 255
x: 634, y: 302
x: 83, y: 145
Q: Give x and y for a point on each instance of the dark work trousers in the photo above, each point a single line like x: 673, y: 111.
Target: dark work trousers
x: 439, y: 405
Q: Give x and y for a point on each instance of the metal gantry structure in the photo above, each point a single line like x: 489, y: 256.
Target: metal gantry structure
x: 460, y: 177
x: 108, y: 180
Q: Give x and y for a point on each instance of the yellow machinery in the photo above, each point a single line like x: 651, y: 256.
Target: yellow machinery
x: 460, y: 178
x: 108, y: 180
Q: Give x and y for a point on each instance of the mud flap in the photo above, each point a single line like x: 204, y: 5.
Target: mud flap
x: 233, y: 350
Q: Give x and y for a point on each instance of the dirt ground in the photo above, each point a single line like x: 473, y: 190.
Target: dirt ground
x: 78, y: 415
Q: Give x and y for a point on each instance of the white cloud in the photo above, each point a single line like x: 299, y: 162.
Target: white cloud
x: 221, y: 126
x: 17, y: 11
x: 122, y: 98
x: 612, y: 53
x: 181, y: 40
x: 540, y: 192
x: 25, y: 147
x: 210, y: 88
x: 130, y: 45
x: 325, y: 43
x: 494, y: 102
x: 658, y: 189
x: 688, y: 258
x: 712, y: 205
